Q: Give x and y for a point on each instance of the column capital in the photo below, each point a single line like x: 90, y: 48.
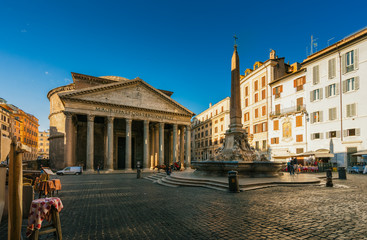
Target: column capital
x: 188, y: 127
x: 128, y: 120
x: 68, y: 114
x: 110, y: 119
x: 161, y: 124
x: 90, y: 118
x: 146, y: 122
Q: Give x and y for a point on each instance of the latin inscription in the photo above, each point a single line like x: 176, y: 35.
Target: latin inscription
x: 132, y: 113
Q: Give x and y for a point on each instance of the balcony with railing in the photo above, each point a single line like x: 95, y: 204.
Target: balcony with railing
x: 290, y: 110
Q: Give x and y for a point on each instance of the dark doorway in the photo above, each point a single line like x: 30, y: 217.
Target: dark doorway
x: 121, y: 146
x: 133, y: 164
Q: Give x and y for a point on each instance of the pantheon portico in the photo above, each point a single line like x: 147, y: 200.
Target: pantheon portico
x: 114, y: 123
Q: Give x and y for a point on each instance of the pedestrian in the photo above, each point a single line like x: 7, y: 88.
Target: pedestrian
x: 98, y: 168
x: 295, y: 165
x: 291, y: 166
x: 168, y: 169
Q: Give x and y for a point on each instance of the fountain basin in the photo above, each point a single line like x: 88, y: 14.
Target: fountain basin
x: 245, y: 169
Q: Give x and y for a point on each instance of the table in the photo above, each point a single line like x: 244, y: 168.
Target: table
x: 40, y: 210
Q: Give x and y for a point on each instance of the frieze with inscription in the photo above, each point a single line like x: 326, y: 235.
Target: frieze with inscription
x: 133, y: 113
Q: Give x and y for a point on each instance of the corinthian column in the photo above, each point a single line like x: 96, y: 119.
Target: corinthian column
x: 110, y: 143
x: 174, y: 145
x: 182, y: 146
x: 161, y: 143
x: 69, y: 140
x: 146, y: 145
x: 188, y: 147
x: 128, y: 145
x: 90, y: 143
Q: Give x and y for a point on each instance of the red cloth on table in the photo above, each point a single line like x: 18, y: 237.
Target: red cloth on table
x: 40, y: 210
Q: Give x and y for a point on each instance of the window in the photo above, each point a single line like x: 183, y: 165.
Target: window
x: 264, y: 144
x: 222, y: 119
x: 299, y: 103
x: 299, y: 150
x: 222, y: 109
x: 315, y: 75
x: 298, y: 83
x: 263, y: 82
x: 257, y: 144
x: 331, y: 68
x: 332, y: 114
x: 263, y: 94
x: 299, y: 121
x: 263, y: 110
x: 247, y: 117
x: 276, y: 125
x: 216, y: 112
x: 316, y: 136
x: 221, y: 128
x: 316, y: 94
x: 246, y: 102
x: 277, y: 91
x: 275, y: 140
x: 206, y: 133
x: 316, y: 117
x: 256, y: 85
x: 299, y: 138
x: 332, y: 134
x: 351, y: 110
x: 256, y: 113
x: 256, y: 97
x: 352, y: 132
x: 216, y: 130
x: 264, y: 127
x: 351, y: 84
x: 350, y: 61
x: 332, y: 90
x: 246, y: 91
x: 277, y: 109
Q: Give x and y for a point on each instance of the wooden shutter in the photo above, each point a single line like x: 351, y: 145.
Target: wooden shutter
x: 356, y: 59
x: 354, y: 109
x: 330, y: 113
x: 338, y: 134
x: 345, y: 133
x: 280, y: 88
x: 320, y: 116
x: 343, y: 64
x: 316, y: 74
x: 274, y: 91
x: 337, y: 90
x: 327, y: 91
x: 327, y: 135
x: 312, y: 136
x: 331, y: 68
x: 312, y: 96
x: 321, y: 135
x: 345, y: 82
x: 358, y: 131
x: 295, y: 83
x: 348, y: 110
x: 320, y: 93
x: 356, y: 83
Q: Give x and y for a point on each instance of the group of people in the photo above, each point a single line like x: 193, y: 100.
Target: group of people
x: 292, y: 166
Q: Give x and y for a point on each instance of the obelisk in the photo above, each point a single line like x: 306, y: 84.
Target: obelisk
x: 235, y: 110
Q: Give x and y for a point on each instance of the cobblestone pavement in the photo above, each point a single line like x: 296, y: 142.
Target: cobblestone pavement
x: 119, y: 206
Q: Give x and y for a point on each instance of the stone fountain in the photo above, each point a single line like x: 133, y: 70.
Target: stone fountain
x: 236, y: 153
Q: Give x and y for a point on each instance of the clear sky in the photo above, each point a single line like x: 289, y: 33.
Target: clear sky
x: 181, y: 46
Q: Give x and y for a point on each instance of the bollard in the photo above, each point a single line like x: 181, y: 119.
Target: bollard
x: 342, y: 173
x: 329, y: 178
x: 233, y: 183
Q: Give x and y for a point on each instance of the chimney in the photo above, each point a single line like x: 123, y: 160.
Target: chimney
x: 210, y: 105
x: 295, y: 66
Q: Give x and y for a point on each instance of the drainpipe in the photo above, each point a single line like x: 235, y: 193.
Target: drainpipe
x: 341, y: 96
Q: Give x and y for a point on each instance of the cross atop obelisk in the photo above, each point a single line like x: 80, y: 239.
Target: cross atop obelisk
x: 235, y: 40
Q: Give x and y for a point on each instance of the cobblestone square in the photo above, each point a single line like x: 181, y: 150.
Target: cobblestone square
x: 119, y: 206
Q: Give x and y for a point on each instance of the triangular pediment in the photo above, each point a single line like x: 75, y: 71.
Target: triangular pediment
x: 133, y: 93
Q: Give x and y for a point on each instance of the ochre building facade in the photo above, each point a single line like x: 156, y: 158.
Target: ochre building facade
x: 115, y: 124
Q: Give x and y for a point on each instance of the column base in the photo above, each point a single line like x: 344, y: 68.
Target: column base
x: 89, y: 171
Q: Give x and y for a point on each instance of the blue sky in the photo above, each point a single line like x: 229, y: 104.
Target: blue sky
x: 181, y: 46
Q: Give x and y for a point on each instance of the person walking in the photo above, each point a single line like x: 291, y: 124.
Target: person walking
x: 98, y: 168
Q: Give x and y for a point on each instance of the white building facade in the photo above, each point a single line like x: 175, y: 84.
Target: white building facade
x: 336, y: 86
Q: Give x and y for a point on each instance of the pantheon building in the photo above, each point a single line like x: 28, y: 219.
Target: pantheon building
x: 116, y: 123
